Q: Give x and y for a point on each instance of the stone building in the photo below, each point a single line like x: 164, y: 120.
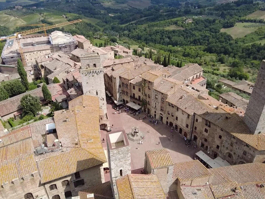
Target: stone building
x: 234, y: 100
x: 192, y: 180
x: 93, y: 81
x: 54, y: 159
x: 255, y: 116
x: 159, y: 163
x: 37, y: 46
x: 119, y: 157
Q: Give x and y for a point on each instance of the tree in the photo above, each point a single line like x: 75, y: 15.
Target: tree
x: 169, y: 59
x: 22, y: 73
x: 14, y: 87
x: 165, y: 61
x: 30, y: 104
x: 150, y: 53
x: 46, y: 93
x: 56, y: 80
x: 158, y: 59
x: 3, y: 93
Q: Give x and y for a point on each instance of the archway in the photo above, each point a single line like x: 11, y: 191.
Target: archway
x: 167, y: 123
x: 180, y: 130
x: 28, y: 196
x: 170, y: 124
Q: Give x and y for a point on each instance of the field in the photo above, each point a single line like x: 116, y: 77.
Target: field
x: 257, y: 15
x: 242, y: 29
x: 140, y: 4
x: 174, y: 27
x: 9, y: 21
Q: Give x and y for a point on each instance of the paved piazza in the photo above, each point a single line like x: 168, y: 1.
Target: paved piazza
x: 155, y: 137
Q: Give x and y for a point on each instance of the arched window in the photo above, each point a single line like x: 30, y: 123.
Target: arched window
x: 65, y: 183
x: 56, y: 197
x: 52, y: 187
x: 28, y: 196
x: 94, y: 65
x: 120, y: 172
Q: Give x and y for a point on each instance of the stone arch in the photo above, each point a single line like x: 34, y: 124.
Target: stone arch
x: 180, y: 130
x: 28, y: 196
x: 185, y: 135
x: 94, y: 65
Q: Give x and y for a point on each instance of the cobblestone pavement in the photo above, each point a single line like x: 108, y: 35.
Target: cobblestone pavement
x: 156, y: 136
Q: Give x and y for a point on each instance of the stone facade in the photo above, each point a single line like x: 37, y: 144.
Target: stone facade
x: 119, y: 156
x: 254, y: 116
x: 93, y: 79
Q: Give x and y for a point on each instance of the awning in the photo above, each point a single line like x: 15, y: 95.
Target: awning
x: 108, y: 93
x: 213, y: 163
x: 203, y: 156
x: 117, y: 103
x: 134, y: 106
x: 221, y: 162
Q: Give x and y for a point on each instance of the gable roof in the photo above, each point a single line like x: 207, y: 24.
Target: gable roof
x: 137, y: 186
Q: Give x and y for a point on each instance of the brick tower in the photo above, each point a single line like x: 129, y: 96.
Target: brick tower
x: 255, y: 113
x: 93, y: 78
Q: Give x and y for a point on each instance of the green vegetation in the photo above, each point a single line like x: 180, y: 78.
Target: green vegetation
x: 242, y: 29
x: 56, y: 80
x: 46, y: 93
x: 30, y: 105
x: 22, y: 73
x: 13, y: 87
x: 3, y: 93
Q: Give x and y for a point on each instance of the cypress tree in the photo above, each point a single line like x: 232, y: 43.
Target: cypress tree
x: 46, y: 93
x: 22, y: 73
x: 165, y: 61
x: 150, y: 54
x: 3, y: 93
x: 169, y: 59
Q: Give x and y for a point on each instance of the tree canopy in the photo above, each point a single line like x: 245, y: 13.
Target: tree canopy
x: 22, y: 73
x: 30, y: 105
x: 14, y: 87
x: 3, y: 93
x: 46, y: 93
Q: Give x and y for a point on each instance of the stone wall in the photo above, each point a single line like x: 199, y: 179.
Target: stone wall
x: 119, y: 165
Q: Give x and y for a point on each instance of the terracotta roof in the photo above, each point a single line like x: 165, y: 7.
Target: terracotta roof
x: 235, y: 99
x: 17, y: 160
x: 80, y: 38
x: 78, y: 130
x: 187, y: 71
x: 190, y: 170
x: 243, y: 173
x: 159, y: 158
x: 15, y: 136
x: 124, y: 188
x: 79, y: 52
x: 149, y: 76
x: 69, y: 162
x: 166, y: 85
x: 137, y: 186
x: 188, y: 102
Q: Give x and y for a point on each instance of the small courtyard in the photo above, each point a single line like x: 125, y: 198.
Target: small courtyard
x: 155, y: 137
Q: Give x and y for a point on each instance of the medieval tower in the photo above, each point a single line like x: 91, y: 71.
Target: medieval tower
x: 255, y: 113
x: 119, y: 157
x: 93, y: 78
